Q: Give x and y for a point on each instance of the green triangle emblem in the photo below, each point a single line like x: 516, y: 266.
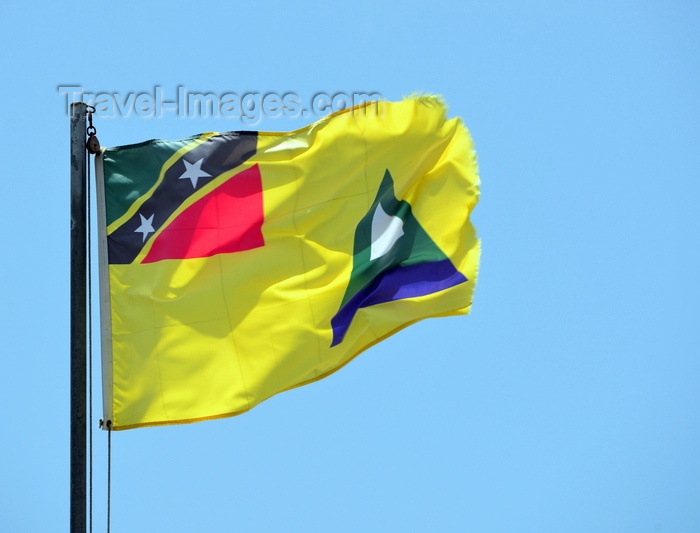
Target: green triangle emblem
x: 393, y: 258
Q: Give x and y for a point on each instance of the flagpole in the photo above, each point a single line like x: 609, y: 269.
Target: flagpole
x: 78, y: 284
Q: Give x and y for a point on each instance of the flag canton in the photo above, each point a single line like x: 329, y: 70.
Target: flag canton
x: 206, y: 161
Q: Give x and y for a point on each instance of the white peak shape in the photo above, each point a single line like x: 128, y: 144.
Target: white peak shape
x: 386, y: 230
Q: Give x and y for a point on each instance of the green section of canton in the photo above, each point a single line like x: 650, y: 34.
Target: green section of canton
x: 130, y: 171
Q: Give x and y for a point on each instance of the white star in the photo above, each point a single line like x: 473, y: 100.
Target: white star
x: 193, y: 172
x: 146, y: 226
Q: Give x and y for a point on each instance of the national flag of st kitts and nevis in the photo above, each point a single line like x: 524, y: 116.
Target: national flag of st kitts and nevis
x: 238, y: 265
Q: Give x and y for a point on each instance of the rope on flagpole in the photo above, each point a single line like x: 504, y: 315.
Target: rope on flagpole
x: 108, y: 425
x: 109, y: 473
x: 89, y: 334
x: 93, y: 147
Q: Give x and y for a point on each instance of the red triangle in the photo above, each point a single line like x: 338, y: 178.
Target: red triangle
x: 228, y: 219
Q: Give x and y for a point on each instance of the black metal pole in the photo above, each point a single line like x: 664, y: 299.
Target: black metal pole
x: 78, y: 305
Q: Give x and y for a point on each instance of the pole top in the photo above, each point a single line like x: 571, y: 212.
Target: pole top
x: 78, y: 108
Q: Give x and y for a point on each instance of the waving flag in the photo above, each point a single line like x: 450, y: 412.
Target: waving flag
x: 238, y: 265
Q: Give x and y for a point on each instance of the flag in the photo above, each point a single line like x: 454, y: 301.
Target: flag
x: 234, y: 266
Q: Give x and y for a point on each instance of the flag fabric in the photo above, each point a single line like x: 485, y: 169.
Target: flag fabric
x: 234, y: 266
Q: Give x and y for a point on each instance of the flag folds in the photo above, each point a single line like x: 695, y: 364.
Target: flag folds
x: 234, y: 266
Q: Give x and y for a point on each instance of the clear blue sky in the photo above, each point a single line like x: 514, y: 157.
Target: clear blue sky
x: 569, y: 401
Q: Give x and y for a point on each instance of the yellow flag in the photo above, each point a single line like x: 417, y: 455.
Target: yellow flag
x: 237, y: 265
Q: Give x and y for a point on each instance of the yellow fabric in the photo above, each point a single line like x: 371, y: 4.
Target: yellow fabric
x: 206, y: 338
